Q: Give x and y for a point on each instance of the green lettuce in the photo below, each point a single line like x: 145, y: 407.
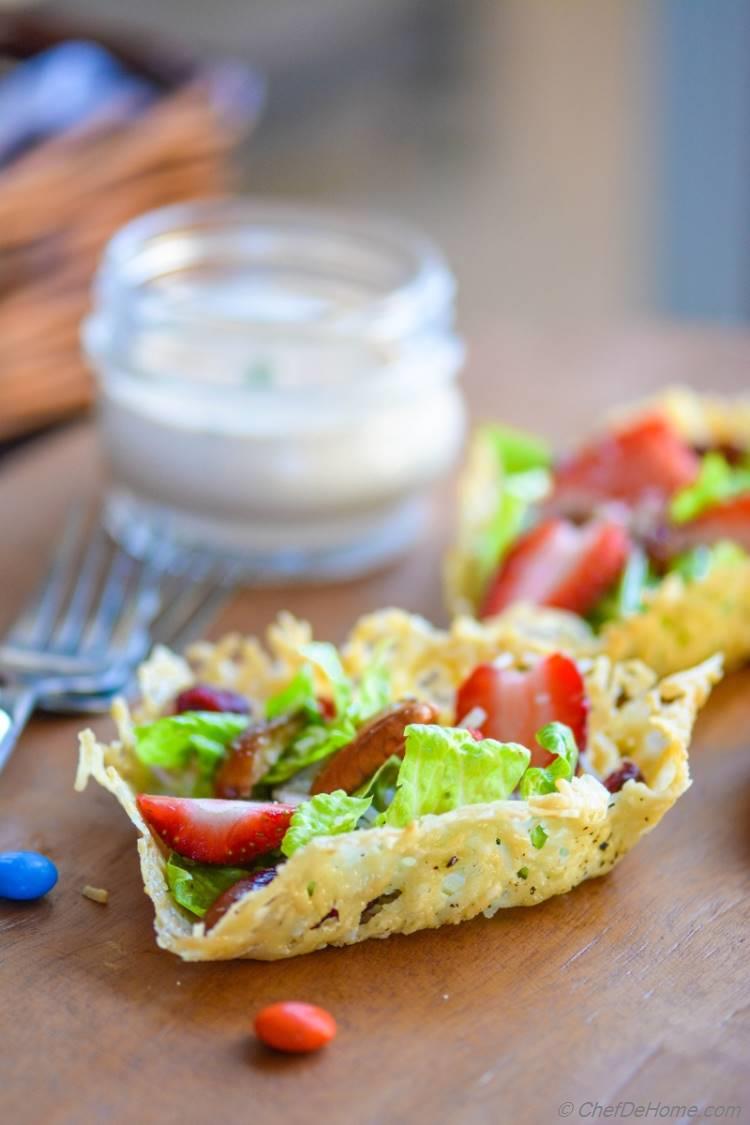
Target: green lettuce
x: 717, y: 481
x: 538, y: 836
x: 699, y: 561
x: 317, y: 741
x: 523, y: 465
x: 519, y: 492
x: 327, y: 659
x: 354, y: 703
x: 626, y: 597
x: 445, y: 767
x: 196, y: 886
x: 326, y: 814
x: 381, y: 787
x: 558, y: 739
x: 298, y: 697
x: 194, y: 739
x: 373, y: 692
x: 516, y: 450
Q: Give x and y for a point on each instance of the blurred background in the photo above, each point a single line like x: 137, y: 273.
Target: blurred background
x: 580, y: 163
x: 577, y: 160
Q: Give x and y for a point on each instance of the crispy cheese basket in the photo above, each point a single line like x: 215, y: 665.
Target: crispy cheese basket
x: 682, y: 621
x: 478, y: 858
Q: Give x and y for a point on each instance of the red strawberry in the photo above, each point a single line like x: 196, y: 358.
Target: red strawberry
x: 518, y: 704
x: 206, y: 697
x: 216, y: 831
x: 560, y: 564
x: 646, y: 456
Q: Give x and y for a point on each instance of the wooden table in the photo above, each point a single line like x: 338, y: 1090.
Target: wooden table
x: 631, y: 988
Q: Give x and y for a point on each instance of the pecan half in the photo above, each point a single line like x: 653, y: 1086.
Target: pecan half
x: 376, y: 741
x: 248, y: 755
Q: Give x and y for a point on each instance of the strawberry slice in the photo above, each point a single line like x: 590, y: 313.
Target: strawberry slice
x: 518, y: 704
x: 215, y: 831
x: 646, y: 457
x: 560, y: 564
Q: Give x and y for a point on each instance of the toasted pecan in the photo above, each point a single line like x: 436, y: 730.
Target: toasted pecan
x: 374, y: 743
x: 248, y: 755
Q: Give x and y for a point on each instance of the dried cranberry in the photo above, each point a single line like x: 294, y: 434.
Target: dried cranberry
x: 218, y: 908
x: 205, y: 697
x: 628, y: 771
x: 331, y: 916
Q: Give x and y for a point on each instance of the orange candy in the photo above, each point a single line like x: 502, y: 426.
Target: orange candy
x: 295, y: 1027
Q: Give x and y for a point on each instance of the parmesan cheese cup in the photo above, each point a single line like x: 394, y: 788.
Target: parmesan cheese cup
x: 476, y: 859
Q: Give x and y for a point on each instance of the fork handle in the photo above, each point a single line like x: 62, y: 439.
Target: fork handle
x: 16, y: 705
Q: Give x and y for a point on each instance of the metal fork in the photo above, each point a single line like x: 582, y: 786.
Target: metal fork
x: 189, y: 603
x: 83, y: 631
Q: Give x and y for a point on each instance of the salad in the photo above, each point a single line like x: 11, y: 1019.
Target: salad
x: 643, y: 533
x: 299, y: 796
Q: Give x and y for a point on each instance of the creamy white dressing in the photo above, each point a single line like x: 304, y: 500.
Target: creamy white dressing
x: 298, y: 418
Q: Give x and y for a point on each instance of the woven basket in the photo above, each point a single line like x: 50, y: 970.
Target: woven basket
x: 61, y: 201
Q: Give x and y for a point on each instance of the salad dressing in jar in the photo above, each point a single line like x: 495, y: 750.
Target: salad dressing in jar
x: 277, y: 386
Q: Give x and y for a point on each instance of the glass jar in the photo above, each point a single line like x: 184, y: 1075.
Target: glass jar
x: 277, y: 384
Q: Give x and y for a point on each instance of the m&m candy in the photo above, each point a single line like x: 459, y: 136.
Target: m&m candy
x: 26, y: 875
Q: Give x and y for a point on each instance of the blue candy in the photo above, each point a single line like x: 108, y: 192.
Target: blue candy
x: 26, y: 875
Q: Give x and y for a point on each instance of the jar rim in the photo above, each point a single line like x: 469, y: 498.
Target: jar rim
x: 172, y: 271
x: 426, y: 283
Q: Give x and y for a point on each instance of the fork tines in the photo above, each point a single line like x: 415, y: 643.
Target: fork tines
x: 93, y: 608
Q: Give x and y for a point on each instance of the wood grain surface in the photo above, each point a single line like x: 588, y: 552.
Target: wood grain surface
x: 633, y: 988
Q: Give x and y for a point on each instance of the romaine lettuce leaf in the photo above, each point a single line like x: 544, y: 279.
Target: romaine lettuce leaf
x: 382, y: 785
x: 445, y: 767
x: 353, y: 701
x: 373, y: 691
x: 354, y: 704
x: 177, y: 741
x: 328, y: 660
x: 717, y: 481
x: 524, y: 479
x: 519, y: 492
x: 626, y: 597
x: 516, y: 450
x: 197, y: 885
x: 297, y: 697
x: 638, y: 577
x: 316, y: 742
x: 558, y: 739
x: 325, y: 814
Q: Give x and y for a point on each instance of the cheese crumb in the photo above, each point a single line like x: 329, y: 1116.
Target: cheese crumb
x: 96, y: 894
